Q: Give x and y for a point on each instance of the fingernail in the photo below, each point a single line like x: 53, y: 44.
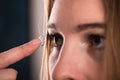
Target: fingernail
x: 35, y: 41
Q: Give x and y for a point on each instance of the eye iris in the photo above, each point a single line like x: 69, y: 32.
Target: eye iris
x: 56, y: 40
x: 96, y: 41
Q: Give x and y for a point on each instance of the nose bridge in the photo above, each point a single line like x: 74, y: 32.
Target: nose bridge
x: 68, y: 46
x: 67, y: 66
x: 69, y: 49
x: 72, y: 50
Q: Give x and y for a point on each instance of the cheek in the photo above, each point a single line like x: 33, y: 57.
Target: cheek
x: 93, y: 70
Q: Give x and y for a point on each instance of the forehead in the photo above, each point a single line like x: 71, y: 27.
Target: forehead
x: 71, y: 12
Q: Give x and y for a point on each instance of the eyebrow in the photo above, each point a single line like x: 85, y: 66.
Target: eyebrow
x: 81, y: 27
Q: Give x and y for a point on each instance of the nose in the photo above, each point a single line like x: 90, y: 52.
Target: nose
x: 68, y: 65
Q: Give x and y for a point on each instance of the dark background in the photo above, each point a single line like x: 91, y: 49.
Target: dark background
x: 14, y: 31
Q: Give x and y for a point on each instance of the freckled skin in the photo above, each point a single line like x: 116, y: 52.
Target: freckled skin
x: 74, y: 61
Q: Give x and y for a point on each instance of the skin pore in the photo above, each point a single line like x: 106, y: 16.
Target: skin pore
x: 76, y: 31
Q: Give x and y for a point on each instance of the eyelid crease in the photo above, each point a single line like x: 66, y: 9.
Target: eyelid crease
x: 95, y: 32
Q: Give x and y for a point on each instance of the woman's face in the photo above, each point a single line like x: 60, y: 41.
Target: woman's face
x: 76, y: 31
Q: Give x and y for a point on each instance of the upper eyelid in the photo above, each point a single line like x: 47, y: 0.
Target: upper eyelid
x: 51, y: 34
x: 94, y: 33
x: 100, y: 35
x: 51, y: 31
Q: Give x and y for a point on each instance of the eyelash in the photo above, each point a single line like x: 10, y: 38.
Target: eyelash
x: 92, y: 40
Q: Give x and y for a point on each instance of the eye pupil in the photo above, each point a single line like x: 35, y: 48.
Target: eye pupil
x: 56, y: 38
x: 97, y: 40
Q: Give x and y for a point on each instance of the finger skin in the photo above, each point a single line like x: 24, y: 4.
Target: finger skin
x: 13, y: 55
x: 8, y: 74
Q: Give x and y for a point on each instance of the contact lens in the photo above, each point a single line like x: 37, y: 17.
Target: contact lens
x: 42, y: 38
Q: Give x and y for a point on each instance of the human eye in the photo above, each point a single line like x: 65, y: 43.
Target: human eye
x: 96, y: 41
x: 56, y: 40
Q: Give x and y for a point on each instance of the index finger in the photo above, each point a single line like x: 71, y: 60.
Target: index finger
x: 13, y: 55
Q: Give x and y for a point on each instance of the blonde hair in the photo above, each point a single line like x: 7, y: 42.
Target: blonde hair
x: 112, y: 51
x: 44, y: 75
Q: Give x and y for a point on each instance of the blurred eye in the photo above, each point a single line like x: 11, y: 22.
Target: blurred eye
x: 96, y: 41
x: 56, y: 40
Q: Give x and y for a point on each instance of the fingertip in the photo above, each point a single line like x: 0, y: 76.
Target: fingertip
x: 13, y: 55
x: 35, y: 42
x: 32, y: 46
